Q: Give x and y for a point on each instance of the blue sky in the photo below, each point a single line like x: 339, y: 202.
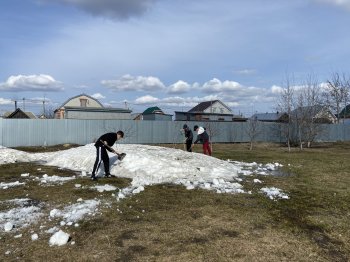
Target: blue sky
x: 170, y: 53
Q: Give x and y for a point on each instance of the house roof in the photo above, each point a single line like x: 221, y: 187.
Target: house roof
x: 97, y: 109
x: 153, y: 110
x: 204, y: 105
x: 308, y: 111
x: 268, y: 116
x: 30, y: 115
x: 83, y: 94
x: 345, y: 112
x: 201, y: 113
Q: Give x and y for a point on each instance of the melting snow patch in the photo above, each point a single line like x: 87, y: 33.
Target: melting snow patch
x: 104, y: 188
x: 8, y: 185
x: 274, y: 193
x: 60, y: 238
x: 55, y: 179
x: 258, y: 181
x: 217, y: 185
x: 25, y: 175
x: 21, y: 216
x: 76, y: 212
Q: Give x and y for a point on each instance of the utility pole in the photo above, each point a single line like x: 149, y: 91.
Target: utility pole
x: 24, y: 104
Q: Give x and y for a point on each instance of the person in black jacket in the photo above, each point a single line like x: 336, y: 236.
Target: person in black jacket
x: 202, y: 137
x: 189, y: 138
x: 104, y: 143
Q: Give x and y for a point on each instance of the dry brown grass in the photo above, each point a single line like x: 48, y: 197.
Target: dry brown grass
x: 170, y: 223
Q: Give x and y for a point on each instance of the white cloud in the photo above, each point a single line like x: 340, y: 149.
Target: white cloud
x: 215, y: 85
x: 134, y: 83
x: 117, y: 9
x: 179, y: 87
x: 245, y: 72
x: 232, y: 93
x: 98, y: 96
x: 276, y: 89
x: 4, y: 101
x: 31, y: 83
x: 146, y: 100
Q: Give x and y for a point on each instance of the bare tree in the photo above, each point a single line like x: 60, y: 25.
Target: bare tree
x: 312, y: 97
x: 49, y: 112
x: 286, y: 105
x: 337, y: 94
x: 253, y: 130
x: 302, y: 103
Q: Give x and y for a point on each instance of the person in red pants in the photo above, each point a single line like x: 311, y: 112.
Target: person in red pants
x: 203, y: 138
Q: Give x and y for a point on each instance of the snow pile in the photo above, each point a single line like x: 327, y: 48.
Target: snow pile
x: 102, y: 188
x: 150, y: 165
x: 274, y: 193
x: 60, y: 238
x: 8, y: 156
x: 76, y: 212
x: 8, y: 185
x: 45, y: 179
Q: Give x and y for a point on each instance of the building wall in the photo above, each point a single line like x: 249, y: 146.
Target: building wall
x: 217, y: 108
x: 76, y: 102
x: 157, y: 117
x: 182, y: 116
x: 96, y: 115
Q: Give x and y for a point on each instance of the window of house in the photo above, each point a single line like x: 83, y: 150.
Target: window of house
x: 221, y: 119
x: 221, y: 110
x: 214, y: 110
x: 83, y: 102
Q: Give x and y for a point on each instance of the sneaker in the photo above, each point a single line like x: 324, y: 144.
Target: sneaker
x: 93, y: 178
x: 108, y: 175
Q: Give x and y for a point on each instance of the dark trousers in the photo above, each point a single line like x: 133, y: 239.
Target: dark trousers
x: 101, y: 155
x: 189, y: 145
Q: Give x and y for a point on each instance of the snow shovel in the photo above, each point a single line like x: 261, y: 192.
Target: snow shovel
x: 120, y: 156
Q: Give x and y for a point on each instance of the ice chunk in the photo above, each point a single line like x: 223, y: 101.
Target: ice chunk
x: 60, y: 238
x: 8, y: 226
x: 35, y: 237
